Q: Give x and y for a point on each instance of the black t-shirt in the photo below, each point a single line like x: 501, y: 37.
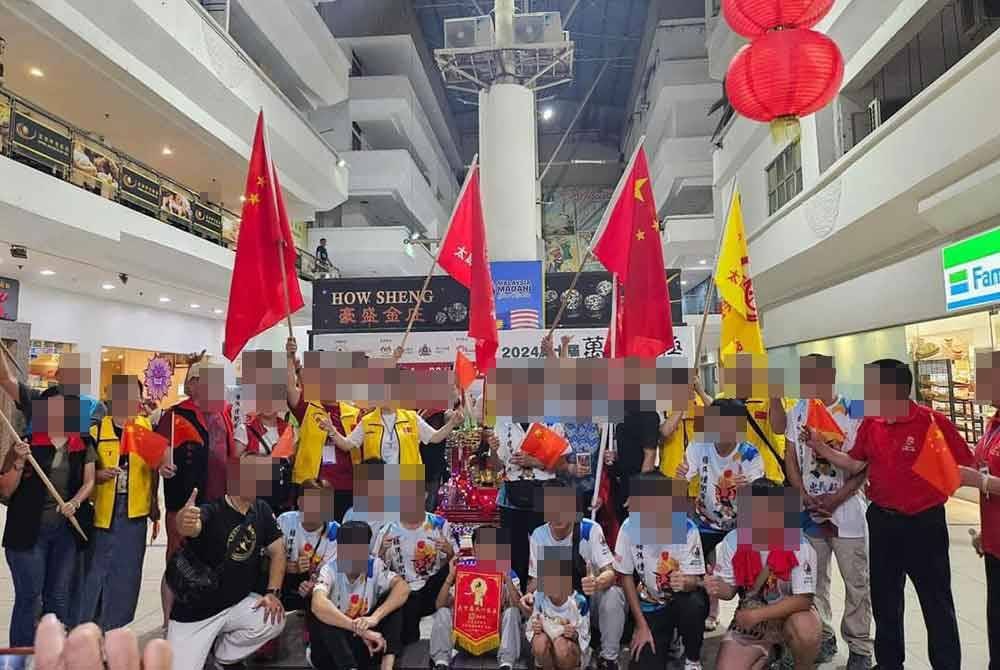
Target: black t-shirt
x: 236, y: 541
x: 639, y: 430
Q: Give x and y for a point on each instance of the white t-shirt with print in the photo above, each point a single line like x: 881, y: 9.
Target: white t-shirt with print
x: 390, y: 439
x: 802, y: 578
x: 357, y: 598
x: 375, y: 522
x: 510, y: 435
x: 593, y: 547
x: 715, y: 506
x: 656, y: 562
x: 819, y: 476
x: 320, y: 544
x: 413, y: 554
x: 575, y: 612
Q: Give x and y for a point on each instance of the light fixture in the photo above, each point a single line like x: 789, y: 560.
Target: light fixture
x: 108, y: 286
x: 547, y: 114
x: 684, y: 282
x: 217, y: 311
x: 47, y: 273
x: 36, y: 72
x: 243, y: 198
x: 341, y: 163
x: 167, y: 151
x: 195, y: 305
x: 702, y: 262
x: 164, y: 298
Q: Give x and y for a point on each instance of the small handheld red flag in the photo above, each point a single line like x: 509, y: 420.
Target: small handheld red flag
x: 936, y: 464
x: 265, y: 256
x: 147, y: 444
x: 463, y: 255
x: 183, y: 432
x: 629, y: 245
x: 285, y: 447
x: 819, y: 419
x: 465, y: 371
x: 544, y: 444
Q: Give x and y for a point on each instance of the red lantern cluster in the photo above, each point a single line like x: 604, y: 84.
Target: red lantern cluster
x: 787, y: 71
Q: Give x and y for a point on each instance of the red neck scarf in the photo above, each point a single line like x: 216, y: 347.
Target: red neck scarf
x: 74, y: 443
x: 747, y: 564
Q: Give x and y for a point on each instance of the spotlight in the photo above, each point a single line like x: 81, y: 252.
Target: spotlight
x: 547, y: 114
x: 341, y: 163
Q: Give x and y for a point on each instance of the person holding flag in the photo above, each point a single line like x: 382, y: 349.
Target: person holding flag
x: 912, y: 454
x: 125, y: 496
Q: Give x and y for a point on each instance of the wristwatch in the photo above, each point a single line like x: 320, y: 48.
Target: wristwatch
x: 273, y: 592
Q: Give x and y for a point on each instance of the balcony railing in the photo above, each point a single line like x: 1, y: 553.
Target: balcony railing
x: 41, y: 140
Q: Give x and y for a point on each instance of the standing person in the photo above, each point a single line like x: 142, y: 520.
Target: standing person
x: 835, y: 512
x: 394, y: 435
x: 907, y: 529
x: 593, y: 570
x: 986, y: 477
x: 637, y: 438
x: 318, y: 414
x: 322, y: 257
x: 661, y: 563
x: 230, y: 536
x: 125, y: 497
x: 310, y: 539
x: 72, y: 377
x: 195, y: 465
x: 40, y: 545
x: 770, y: 566
x: 418, y: 548
x: 723, y: 464
x: 356, y: 618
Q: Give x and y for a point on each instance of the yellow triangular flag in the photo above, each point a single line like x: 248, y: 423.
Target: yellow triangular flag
x: 740, y: 326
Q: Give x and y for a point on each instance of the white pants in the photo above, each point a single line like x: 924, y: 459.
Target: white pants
x: 609, y: 609
x: 235, y: 633
x: 442, y: 641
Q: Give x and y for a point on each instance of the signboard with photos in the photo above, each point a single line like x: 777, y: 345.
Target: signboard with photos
x: 41, y: 141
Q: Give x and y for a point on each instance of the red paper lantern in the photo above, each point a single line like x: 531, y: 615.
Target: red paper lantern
x: 753, y: 18
x: 784, y: 75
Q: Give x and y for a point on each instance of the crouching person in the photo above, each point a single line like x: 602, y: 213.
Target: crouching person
x: 772, y: 568
x: 226, y: 540
x: 559, y: 626
x: 660, y: 558
x: 491, y: 550
x: 310, y: 542
x: 356, y: 620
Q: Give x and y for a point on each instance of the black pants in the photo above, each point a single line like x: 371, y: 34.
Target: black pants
x: 290, y: 598
x: 521, y: 523
x: 420, y: 604
x: 915, y: 546
x: 342, y: 501
x: 685, y: 614
x: 333, y: 648
x: 993, y: 609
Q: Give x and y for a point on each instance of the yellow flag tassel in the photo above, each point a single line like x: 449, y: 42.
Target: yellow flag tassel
x: 785, y: 129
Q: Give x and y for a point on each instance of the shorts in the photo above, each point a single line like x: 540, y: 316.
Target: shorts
x: 773, y: 636
x: 174, y: 538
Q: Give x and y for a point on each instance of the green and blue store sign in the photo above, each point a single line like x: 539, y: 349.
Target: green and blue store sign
x: 972, y: 271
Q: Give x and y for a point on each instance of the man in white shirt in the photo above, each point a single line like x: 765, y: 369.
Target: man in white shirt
x: 835, y: 524
x: 310, y: 538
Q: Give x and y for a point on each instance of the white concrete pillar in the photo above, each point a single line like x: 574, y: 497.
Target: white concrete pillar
x: 508, y: 156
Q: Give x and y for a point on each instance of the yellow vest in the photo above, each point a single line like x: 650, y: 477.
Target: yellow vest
x: 407, y: 431
x: 672, y: 450
x: 140, y: 475
x: 309, y: 454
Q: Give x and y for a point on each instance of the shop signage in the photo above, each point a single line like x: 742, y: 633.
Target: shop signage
x: 206, y: 218
x: 588, y: 304
x: 10, y: 289
x: 140, y: 189
x: 32, y: 136
x: 972, y: 271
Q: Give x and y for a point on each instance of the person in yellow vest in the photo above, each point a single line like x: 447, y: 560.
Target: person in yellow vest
x: 124, y: 498
x: 393, y: 434
x: 745, y: 377
x: 316, y: 456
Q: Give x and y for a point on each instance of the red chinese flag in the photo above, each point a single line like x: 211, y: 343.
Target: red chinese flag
x: 628, y: 244
x: 819, y: 419
x: 265, y: 255
x: 544, y: 444
x: 463, y: 255
x: 936, y: 464
x: 183, y: 431
x: 149, y: 445
x: 285, y: 447
x: 465, y: 371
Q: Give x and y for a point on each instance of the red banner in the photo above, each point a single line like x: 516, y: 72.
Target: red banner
x: 478, y: 594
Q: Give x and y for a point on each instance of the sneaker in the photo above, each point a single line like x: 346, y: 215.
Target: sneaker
x: 858, y: 662
x: 827, y: 649
x: 692, y: 665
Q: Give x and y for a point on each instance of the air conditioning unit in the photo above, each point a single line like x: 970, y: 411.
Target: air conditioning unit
x: 874, y: 114
x: 538, y: 28
x: 475, y: 31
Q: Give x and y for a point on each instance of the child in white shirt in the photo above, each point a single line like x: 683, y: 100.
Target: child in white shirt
x: 559, y: 626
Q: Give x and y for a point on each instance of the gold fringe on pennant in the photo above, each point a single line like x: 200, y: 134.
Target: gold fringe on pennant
x: 477, y: 647
x: 785, y: 129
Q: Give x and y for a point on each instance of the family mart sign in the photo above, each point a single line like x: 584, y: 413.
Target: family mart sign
x: 972, y: 271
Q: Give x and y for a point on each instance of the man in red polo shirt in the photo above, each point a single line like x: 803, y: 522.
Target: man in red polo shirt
x: 908, y: 533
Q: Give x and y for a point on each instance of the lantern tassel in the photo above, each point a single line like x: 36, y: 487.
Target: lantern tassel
x: 785, y: 129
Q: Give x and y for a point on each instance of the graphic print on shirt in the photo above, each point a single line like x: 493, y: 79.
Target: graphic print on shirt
x: 664, y: 567
x: 241, y: 542
x: 356, y: 605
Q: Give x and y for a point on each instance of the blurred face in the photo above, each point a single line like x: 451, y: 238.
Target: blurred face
x: 264, y: 382
x: 56, y: 416
x: 722, y: 429
x: 208, y: 390
x: 770, y: 520
x: 559, y: 507
x: 492, y: 548
x: 817, y: 377
x: 988, y: 378
x: 660, y: 507
x: 316, y: 506
x: 411, y: 498
x: 73, y: 372
x: 884, y: 397
x: 251, y: 476
x: 555, y: 579
x: 124, y: 398
x: 352, y: 557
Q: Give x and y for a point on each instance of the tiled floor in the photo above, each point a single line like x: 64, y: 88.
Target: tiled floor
x: 968, y: 582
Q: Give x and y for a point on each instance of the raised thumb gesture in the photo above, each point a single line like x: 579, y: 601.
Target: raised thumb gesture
x: 189, y: 517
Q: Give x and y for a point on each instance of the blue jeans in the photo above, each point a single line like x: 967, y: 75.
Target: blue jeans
x: 44, y: 572
x: 111, y: 585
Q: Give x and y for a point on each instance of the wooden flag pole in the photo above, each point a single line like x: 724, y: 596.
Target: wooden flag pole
x: 45, y: 480
x: 284, y: 285
x: 710, y: 294
x: 13, y: 360
x: 572, y: 285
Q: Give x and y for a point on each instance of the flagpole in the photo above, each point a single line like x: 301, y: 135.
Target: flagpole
x: 11, y: 358
x: 609, y: 429
x: 272, y: 184
x: 430, y: 273
x: 600, y: 228
x: 599, y: 471
x: 45, y: 479
x: 710, y: 294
